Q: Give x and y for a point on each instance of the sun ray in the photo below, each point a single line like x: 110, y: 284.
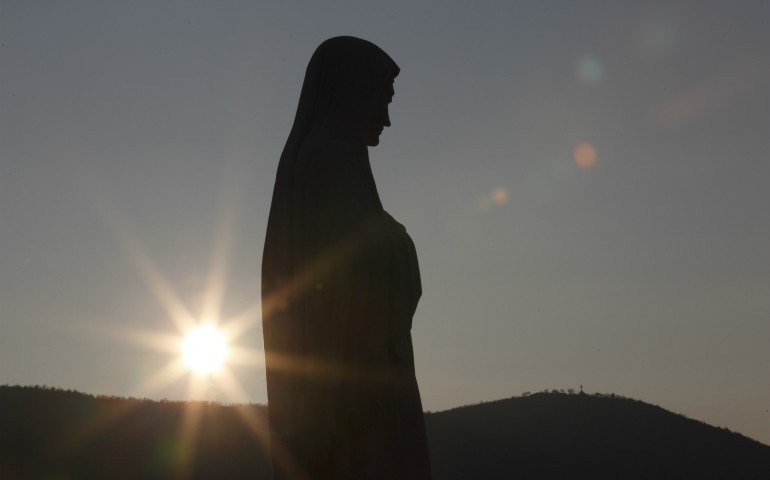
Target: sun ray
x: 239, y: 324
x: 172, y: 372
x: 225, y: 379
x: 220, y: 258
x: 160, y: 342
x: 257, y: 424
x: 160, y: 287
x: 246, y: 357
x: 305, y: 278
x: 189, y: 429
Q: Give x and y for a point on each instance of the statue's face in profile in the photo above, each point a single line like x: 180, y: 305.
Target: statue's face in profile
x: 380, y: 117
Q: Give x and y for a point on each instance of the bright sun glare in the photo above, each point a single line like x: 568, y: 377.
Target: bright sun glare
x: 204, y: 349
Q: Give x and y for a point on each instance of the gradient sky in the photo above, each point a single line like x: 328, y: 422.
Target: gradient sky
x: 587, y: 184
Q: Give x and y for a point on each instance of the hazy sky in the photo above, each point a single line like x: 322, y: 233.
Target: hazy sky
x: 587, y: 184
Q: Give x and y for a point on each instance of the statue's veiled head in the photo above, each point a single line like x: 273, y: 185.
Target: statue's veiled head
x: 349, y: 82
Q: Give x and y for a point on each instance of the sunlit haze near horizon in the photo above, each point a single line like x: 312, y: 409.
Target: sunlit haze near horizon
x: 587, y: 185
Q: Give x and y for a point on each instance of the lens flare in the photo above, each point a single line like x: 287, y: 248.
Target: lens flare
x: 497, y: 197
x: 584, y: 155
x: 589, y: 69
x: 500, y: 196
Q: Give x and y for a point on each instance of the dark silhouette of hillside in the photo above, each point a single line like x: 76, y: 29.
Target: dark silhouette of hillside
x: 47, y: 433
x: 558, y: 435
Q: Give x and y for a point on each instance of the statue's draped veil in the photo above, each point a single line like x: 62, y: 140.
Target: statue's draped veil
x: 343, y: 81
x: 340, y: 280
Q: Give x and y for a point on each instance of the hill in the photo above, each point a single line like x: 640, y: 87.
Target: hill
x: 47, y: 433
x: 557, y: 435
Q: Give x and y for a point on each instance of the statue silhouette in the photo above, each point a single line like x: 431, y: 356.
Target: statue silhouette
x: 340, y: 284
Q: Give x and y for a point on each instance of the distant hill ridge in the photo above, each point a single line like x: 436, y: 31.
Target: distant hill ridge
x: 50, y: 433
x: 558, y: 435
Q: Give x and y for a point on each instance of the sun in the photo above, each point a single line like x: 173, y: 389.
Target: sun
x: 204, y: 349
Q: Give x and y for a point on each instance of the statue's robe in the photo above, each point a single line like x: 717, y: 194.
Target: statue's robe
x: 340, y: 285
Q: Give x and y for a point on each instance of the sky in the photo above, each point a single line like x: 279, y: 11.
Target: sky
x: 586, y: 184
